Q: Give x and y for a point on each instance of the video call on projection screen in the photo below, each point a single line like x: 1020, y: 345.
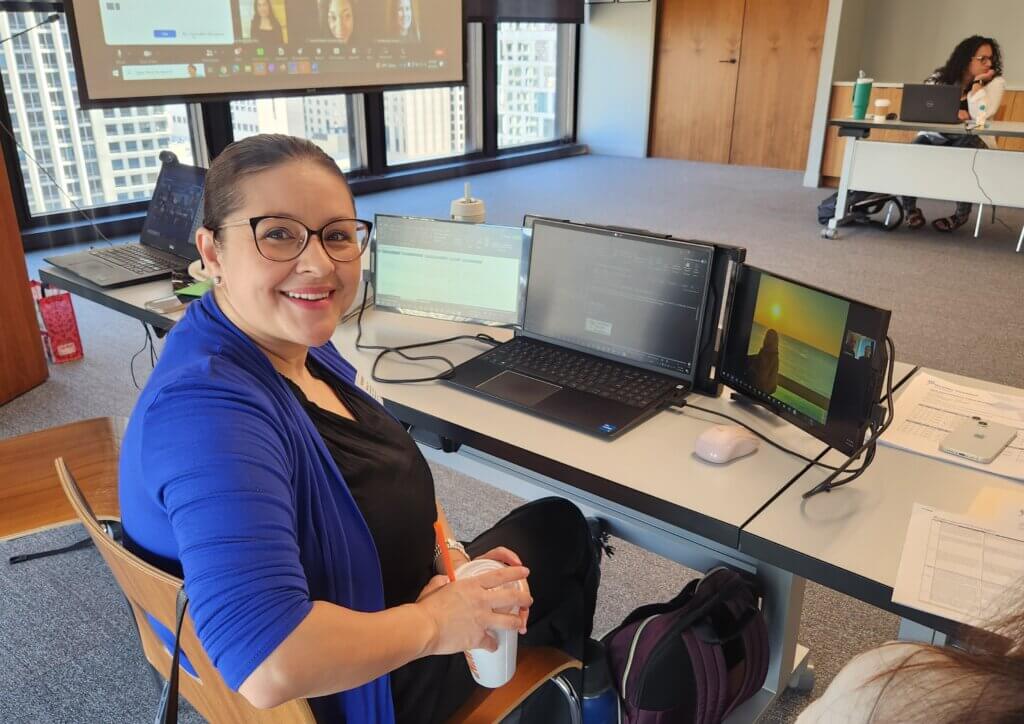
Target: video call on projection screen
x: 130, y: 49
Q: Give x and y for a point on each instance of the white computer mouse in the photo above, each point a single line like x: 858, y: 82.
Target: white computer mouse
x: 722, y: 443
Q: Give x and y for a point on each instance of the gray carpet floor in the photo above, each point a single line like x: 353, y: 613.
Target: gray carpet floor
x: 66, y: 644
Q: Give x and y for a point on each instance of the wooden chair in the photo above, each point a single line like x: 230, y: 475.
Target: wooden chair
x: 150, y: 590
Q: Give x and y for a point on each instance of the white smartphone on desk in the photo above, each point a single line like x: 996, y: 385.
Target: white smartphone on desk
x: 978, y: 440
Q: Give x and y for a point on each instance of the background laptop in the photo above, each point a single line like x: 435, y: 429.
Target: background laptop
x: 930, y: 103
x: 167, y: 242
x: 611, y: 328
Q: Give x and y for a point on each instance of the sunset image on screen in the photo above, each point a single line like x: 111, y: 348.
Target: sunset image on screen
x: 795, y: 342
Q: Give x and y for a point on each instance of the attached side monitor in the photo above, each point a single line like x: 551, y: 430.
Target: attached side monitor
x: 176, y: 209
x: 623, y: 296
x: 449, y: 270
x: 815, y: 358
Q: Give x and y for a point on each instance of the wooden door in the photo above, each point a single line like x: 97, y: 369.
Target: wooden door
x: 778, y: 82
x: 694, y: 89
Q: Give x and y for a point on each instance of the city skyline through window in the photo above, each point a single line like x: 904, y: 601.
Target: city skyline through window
x: 81, y: 153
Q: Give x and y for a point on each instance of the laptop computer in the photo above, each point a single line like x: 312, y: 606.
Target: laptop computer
x: 611, y: 329
x: 930, y: 103
x: 167, y: 241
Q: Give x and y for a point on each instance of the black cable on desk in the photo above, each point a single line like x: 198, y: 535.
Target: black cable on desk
x: 400, y: 350
x: 837, y: 469
x: 870, y: 445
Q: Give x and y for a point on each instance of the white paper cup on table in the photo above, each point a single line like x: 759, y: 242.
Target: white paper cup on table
x: 492, y: 668
x: 881, y: 109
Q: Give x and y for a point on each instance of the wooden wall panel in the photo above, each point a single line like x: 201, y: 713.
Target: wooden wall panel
x: 22, y: 364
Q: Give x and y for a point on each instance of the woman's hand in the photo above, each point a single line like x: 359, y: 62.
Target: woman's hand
x: 963, y: 115
x: 985, y: 77
x: 463, y: 613
x: 509, y: 558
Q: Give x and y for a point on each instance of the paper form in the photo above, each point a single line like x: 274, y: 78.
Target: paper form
x: 929, y: 408
x: 959, y: 567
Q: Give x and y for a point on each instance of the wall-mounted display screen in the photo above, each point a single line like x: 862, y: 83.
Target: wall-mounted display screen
x: 137, y: 49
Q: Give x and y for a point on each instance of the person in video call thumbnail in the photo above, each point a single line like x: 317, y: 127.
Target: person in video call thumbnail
x: 265, y: 26
x: 404, y: 19
x: 763, y: 367
x: 339, y: 19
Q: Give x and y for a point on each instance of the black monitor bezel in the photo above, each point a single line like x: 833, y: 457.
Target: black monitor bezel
x: 638, y: 236
x: 826, y: 432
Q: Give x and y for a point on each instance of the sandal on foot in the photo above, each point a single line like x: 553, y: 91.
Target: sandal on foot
x: 950, y: 223
x: 915, y: 219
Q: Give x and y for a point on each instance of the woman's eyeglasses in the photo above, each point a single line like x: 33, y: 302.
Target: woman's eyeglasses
x: 987, y: 59
x: 280, y: 238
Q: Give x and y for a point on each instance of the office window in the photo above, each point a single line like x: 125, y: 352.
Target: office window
x: 37, y: 91
x: 435, y: 123
x: 131, y: 146
x: 333, y: 122
x: 134, y: 162
x: 136, y: 179
x: 117, y: 164
x: 120, y: 182
x: 127, y: 128
x: 535, y: 82
x: 425, y: 123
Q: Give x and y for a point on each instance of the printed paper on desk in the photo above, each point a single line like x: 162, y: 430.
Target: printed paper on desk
x: 931, y: 407
x: 959, y: 567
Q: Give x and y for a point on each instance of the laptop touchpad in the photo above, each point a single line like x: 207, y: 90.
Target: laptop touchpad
x: 518, y: 388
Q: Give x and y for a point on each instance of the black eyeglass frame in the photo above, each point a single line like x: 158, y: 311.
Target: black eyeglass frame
x: 254, y: 221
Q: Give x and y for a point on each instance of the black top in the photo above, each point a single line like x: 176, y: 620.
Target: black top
x: 390, y: 481
x: 394, y: 489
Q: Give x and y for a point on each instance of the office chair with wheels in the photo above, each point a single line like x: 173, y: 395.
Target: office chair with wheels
x: 150, y: 590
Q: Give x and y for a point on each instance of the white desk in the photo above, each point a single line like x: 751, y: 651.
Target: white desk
x: 647, y: 484
x: 980, y: 176
x: 851, y: 539
x: 130, y: 300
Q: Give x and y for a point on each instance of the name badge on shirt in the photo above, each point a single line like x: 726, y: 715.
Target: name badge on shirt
x: 366, y: 385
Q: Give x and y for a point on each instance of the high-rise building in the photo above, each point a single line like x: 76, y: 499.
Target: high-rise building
x: 97, y: 157
x: 425, y: 123
x: 322, y: 119
x: 527, y: 83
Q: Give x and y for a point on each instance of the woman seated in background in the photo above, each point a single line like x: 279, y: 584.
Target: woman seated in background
x: 976, y: 65
x: 298, y: 511
x: 980, y: 683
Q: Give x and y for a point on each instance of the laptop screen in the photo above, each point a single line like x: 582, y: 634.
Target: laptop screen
x: 622, y: 296
x: 175, y: 211
x: 449, y: 269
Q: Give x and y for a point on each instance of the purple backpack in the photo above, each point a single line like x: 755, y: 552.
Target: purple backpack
x: 695, y: 658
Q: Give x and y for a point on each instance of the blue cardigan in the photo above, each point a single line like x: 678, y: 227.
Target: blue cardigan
x: 222, y: 470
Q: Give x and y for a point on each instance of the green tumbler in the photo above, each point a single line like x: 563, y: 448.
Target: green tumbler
x: 861, y: 95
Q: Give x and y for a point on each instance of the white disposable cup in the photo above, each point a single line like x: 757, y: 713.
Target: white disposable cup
x: 881, y: 109
x: 492, y: 668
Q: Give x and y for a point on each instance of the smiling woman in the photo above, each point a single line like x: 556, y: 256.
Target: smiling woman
x: 299, y: 513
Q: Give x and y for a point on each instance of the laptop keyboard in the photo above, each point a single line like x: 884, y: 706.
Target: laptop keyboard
x: 581, y: 372
x: 139, y: 259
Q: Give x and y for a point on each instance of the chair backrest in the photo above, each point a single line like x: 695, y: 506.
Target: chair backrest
x: 150, y: 590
